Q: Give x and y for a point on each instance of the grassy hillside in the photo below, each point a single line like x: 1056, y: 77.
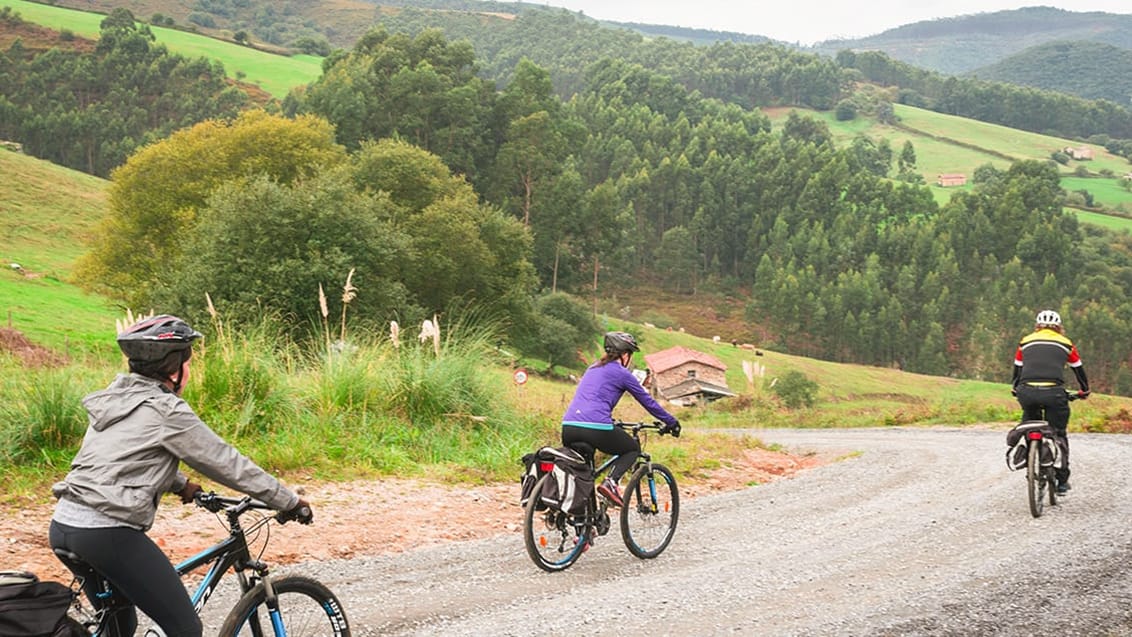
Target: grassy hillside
x: 949, y: 144
x: 48, y: 214
x: 276, y: 74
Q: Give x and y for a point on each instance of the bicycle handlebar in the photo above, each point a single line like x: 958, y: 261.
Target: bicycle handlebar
x: 236, y: 507
x: 216, y: 503
x: 638, y: 426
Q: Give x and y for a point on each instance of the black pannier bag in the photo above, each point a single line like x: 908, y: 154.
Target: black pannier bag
x: 1017, y: 448
x: 571, y: 480
x: 31, y: 608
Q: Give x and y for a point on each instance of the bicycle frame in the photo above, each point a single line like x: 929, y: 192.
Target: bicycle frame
x: 643, y: 458
x: 230, y: 553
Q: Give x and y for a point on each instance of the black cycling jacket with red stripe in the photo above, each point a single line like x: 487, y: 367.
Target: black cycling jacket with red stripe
x: 1042, y: 356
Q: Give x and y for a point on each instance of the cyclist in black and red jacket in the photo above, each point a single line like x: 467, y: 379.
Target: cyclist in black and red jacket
x: 1039, y: 385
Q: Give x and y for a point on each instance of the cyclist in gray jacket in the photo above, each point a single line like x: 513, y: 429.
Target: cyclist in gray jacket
x: 139, y: 430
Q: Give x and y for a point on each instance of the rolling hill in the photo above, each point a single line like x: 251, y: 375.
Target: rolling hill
x: 965, y: 43
x: 276, y: 74
x: 1092, y: 70
x: 49, y: 212
x: 950, y: 144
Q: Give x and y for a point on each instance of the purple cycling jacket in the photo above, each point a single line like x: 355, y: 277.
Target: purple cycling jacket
x: 601, y: 389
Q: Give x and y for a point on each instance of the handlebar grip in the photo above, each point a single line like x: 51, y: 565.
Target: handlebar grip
x: 208, y: 501
x: 302, y: 514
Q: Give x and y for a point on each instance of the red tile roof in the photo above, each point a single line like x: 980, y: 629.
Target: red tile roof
x: 663, y: 361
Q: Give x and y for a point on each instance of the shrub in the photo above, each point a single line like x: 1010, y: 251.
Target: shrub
x: 795, y: 389
x: 561, y: 325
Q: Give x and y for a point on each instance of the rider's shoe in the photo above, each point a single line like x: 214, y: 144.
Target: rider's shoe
x: 608, y: 488
x: 1063, y: 488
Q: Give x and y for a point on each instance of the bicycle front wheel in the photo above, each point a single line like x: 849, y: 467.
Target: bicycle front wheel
x: 1035, y: 479
x: 306, y: 608
x: 651, y: 509
x: 554, y: 539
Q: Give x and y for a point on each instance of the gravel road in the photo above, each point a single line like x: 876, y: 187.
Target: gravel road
x: 917, y: 532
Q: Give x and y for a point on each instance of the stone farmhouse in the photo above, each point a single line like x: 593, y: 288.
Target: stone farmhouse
x: 685, y: 376
x: 949, y: 180
x: 1081, y: 153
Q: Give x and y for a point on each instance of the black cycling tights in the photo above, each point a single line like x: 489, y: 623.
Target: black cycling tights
x: 139, y: 571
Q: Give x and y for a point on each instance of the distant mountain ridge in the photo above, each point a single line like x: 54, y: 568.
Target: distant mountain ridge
x: 965, y: 43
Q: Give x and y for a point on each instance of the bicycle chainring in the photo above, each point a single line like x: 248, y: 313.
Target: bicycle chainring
x: 603, y: 523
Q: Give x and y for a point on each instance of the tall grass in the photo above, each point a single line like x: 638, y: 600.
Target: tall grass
x: 42, y: 419
x: 238, y: 384
x: 349, y: 410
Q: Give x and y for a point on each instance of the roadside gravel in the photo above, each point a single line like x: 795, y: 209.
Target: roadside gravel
x: 917, y: 532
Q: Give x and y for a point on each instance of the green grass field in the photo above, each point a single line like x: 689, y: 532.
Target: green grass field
x: 1107, y: 192
x: 949, y: 144
x: 275, y: 74
x: 49, y: 212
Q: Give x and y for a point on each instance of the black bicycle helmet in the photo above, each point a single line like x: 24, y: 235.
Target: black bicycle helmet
x: 151, y: 340
x: 619, y: 342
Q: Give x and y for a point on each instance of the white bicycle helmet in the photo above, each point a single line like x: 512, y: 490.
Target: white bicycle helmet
x: 1048, y: 318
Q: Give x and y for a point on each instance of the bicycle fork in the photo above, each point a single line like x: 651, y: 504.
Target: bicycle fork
x: 271, y: 600
x: 650, y: 479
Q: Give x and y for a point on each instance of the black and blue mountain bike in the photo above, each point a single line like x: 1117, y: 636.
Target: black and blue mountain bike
x: 287, y: 606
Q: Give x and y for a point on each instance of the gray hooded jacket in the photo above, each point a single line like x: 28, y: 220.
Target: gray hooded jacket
x: 138, y: 433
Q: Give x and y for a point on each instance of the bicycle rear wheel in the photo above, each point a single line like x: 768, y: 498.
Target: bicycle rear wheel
x: 650, y: 512
x: 554, y: 539
x: 306, y: 609
x: 1050, y: 476
x: 1035, y: 479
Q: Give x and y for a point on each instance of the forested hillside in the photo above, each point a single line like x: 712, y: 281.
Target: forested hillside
x: 553, y: 155
x: 90, y: 109
x: 1092, y: 70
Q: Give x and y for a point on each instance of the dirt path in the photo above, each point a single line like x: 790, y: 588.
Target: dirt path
x: 920, y: 532
x: 364, y: 518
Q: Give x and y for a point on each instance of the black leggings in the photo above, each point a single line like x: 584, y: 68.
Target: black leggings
x: 139, y: 572
x: 612, y: 441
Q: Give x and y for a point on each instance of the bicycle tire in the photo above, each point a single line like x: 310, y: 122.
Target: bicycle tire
x: 307, y: 608
x: 1035, y: 479
x: 1051, y: 484
x: 553, y: 539
x: 650, y: 511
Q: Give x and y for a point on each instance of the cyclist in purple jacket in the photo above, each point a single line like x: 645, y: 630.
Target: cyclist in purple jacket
x: 589, y: 418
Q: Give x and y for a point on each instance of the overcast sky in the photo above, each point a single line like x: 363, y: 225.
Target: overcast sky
x: 807, y: 21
